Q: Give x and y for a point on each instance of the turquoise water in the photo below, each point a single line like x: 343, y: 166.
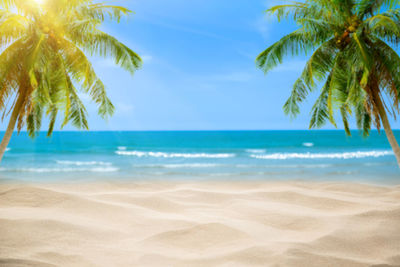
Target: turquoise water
x: 267, y: 155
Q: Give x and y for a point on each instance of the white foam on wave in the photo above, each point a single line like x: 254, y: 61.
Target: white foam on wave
x: 122, y: 148
x: 51, y: 170
x: 173, y: 155
x: 8, y: 149
x: 190, y: 165
x: 344, y: 155
x: 294, y: 166
x: 308, y: 144
x: 256, y: 151
x: 83, y: 163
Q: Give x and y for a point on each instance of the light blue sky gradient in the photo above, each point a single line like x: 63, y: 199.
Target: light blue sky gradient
x: 199, y: 69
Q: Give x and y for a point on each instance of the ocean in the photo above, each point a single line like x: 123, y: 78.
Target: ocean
x: 203, y: 155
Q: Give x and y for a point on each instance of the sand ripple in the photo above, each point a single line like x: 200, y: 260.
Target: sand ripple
x: 199, y: 224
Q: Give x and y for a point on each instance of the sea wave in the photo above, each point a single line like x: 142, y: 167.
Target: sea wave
x: 83, y: 163
x: 173, y: 155
x: 344, y: 155
x: 55, y: 170
x: 122, y: 148
x: 256, y: 151
x: 8, y: 149
x: 189, y: 165
x: 308, y: 144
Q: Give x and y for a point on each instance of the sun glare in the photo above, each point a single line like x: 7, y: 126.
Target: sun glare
x: 39, y: 2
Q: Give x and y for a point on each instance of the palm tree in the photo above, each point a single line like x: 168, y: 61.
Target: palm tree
x: 43, y: 62
x: 352, y: 61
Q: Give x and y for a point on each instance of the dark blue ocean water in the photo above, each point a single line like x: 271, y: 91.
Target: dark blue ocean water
x: 267, y: 155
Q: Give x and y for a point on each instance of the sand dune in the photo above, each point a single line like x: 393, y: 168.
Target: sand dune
x: 199, y: 224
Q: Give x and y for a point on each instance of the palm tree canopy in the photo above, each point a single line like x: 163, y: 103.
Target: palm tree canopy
x: 44, y: 49
x: 350, y: 43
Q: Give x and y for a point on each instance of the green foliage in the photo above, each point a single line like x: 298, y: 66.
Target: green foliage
x: 320, y: 112
x: 43, y: 58
x: 352, y: 58
x: 294, y: 43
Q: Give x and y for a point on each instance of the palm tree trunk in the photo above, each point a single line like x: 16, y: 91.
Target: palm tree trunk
x: 11, y: 125
x: 386, y: 125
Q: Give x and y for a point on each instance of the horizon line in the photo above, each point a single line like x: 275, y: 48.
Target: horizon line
x: 211, y: 130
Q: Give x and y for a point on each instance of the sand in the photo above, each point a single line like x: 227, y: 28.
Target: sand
x: 199, y: 224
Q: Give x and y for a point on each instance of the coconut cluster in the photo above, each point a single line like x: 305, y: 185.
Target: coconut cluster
x: 342, y: 40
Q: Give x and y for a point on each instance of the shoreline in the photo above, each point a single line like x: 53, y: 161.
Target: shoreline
x: 199, y: 223
x: 48, y: 180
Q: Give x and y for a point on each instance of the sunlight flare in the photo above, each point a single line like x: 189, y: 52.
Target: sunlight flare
x: 39, y: 2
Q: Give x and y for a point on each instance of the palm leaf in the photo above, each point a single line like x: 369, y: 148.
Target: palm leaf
x: 293, y: 44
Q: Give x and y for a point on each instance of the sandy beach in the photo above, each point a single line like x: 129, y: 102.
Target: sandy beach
x: 199, y: 224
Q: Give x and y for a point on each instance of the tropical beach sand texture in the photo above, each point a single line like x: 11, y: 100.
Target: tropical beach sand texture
x: 199, y: 224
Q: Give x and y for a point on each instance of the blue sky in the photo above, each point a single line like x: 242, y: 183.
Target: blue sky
x: 199, y: 71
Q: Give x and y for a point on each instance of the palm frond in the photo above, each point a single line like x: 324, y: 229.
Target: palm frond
x: 44, y: 51
x: 353, y: 54
x: 320, y: 112
x: 299, y: 93
x: 295, y: 9
x: 105, y: 45
x: 292, y: 44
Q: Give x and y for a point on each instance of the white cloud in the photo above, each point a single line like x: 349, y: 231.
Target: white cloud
x: 84, y: 97
x: 107, y: 63
x: 262, y: 25
x: 123, y: 108
x: 146, y: 58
